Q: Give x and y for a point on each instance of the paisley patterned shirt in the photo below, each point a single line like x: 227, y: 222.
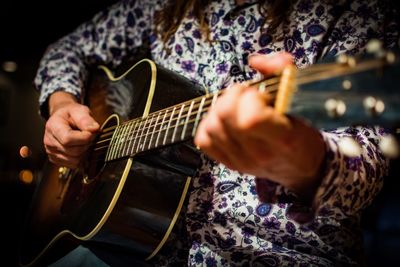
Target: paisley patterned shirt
x: 233, y: 219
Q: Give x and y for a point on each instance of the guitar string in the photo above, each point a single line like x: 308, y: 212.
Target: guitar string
x: 137, y: 150
x: 275, y: 81
x: 309, y: 77
x: 168, y: 111
x: 272, y: 81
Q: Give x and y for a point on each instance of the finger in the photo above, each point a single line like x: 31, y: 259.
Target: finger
x: 226, y: 105
x: 215, y: 141
x: 53, y: 145
x: 259, y: 119
x: 61, y: 130
x: 80, y: 117
x: 271, y: 63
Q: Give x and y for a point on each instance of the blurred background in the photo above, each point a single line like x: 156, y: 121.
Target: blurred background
x: 27, y: 27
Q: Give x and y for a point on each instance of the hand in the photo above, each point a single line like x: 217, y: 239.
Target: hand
x: 69, y: 130
x: 245, y: 133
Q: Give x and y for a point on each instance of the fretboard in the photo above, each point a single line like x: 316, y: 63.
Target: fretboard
x: 164, y: 127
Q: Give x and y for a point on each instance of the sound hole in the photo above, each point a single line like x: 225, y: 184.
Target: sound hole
x: 98, y: 151
x: 85, y: 179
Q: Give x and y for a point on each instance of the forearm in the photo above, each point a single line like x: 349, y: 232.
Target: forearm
x: 59, y: 99
x: 106, y: 39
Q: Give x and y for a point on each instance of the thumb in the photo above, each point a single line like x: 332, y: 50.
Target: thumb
x: 271, y: 63
x: 83, y: 120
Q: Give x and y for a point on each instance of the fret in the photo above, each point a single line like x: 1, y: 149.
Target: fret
x: 161, y: 127
x: 154, y: 130
x: 135, y: 136
x: 177, y: 123
x: 121, y: 140
x: 198, y: 116
x: 169, y: 124
x: 131, y: 129
x: 140, y: 144
x: 110, y: 147
x: 147, y: 134
x: 114, y: 143
x: 187, y: 120
x: 214, y: 100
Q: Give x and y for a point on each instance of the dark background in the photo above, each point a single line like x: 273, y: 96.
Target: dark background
x: 26, y: 28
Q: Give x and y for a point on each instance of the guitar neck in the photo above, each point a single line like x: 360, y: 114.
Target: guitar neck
x: 164, y: 127
x: 179, y: 122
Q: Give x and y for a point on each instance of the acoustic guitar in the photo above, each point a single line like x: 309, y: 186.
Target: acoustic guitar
x: 131, y: 187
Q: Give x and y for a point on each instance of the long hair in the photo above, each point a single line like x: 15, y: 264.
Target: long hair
x: 275, y: 12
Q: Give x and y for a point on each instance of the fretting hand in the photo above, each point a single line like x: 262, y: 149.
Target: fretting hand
x: 245, y: 133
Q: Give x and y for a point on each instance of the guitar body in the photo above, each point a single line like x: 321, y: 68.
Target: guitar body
x: 127, y: 204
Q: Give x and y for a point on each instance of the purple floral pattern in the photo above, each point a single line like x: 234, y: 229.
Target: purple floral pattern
x: 233, y: 219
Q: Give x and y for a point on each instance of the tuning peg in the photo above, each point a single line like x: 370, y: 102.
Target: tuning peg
x: 349, y: 147
x: 389, y: 146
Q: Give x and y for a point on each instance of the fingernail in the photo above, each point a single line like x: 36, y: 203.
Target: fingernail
x: 253, y: 55
x: 93, y: 125
x: 260, y: 54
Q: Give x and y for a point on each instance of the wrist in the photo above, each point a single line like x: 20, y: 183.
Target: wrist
x: 60, y: 99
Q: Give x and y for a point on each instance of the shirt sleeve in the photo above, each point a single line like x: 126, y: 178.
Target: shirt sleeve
x: 108, y: 38
x: 351, y: 183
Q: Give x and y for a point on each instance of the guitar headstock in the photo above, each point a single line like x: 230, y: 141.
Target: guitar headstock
x: 352, y: 91
x: 358, y: 90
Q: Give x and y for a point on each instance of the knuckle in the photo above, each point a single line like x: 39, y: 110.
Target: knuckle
x: 82, y: 110
x: 246, y: 123
x: 224, y: 109
x: 213, y: 124
x: 64, y: 138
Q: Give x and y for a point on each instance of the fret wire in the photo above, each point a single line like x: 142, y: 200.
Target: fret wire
x: 187, y: 119
x: 113, y: 141
x: 161, y: 127
x: 130, y: 137
x: 139, y: 144
x: 121, y: 140
x: 134, y: 135
x: 177, y: 123
x: 169, y: 123
x: 126, y: 139
x: 154, y: 130
x: 196, y: 122
x: 147, y: 133
x: 214, y: 100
